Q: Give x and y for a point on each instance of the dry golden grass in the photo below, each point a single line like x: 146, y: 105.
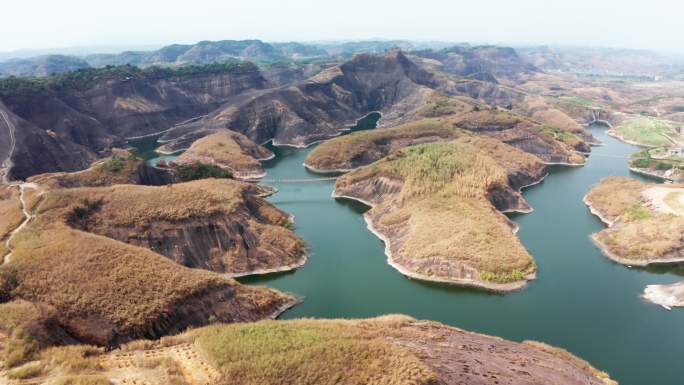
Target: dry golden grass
x: 442, y: 211
x: 312, y: 352
x: 29, y: 370
x: 640, y: 234
x: 441, y: 105
x: 95, y: 283
x: 226, y: 149
x: 92, y: 379
x: 140, y: 214
x: 11, y: 215
x: 512, y: 160
x: 615, y: 195
x: 509, y: 126
x: 657, y: 237
x: 21, y: 322
x: 556, y: 118
x: 73, y: 359
x: 338, y: 153
x: 447, y: 169
x: 118, y: 169
x: 676, y: 201
x: 130, y: 204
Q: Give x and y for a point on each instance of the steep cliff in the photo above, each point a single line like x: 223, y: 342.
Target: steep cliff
x: 63, y: 122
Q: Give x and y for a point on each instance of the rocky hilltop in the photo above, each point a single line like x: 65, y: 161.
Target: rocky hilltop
x: 551, y: 145
x: 41, y: 66
x: 486, y: 63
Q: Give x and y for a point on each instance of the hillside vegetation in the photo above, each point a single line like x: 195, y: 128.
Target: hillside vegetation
x: 104, y: 291
x: 83, y: 78
x: 432, y: 204
x: 649, y: 131
x: 364, y: 147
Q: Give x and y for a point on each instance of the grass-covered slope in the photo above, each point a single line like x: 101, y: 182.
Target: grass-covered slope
x: 229, y: 150
x: 104, y: 291
x: 395, y: 350
x: 649, y: 131
x: 215, y: 224
x: 433, y: 206
x: 364, y: 147
x: 10, y: 214
x: 646, y: 221
x: 120, y: 168
x: 552, y: 145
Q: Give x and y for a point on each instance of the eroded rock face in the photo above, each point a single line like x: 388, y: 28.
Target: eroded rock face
x: 109, y: 289
x: 480, y: 63
x: 458, y: 357
x: 119, y: 169
x: 64, y: 129
x: 553, y: 146
x: 241, y: 234
x: 319, y: 107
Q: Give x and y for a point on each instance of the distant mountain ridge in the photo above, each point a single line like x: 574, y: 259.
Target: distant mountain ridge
x: 207, y: 52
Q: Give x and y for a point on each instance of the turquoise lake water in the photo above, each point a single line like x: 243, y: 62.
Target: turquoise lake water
x: 580, y: 301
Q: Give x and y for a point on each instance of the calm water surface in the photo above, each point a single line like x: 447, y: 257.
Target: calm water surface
x: 580, y: 301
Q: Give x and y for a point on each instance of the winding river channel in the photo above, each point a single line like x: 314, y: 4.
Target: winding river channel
x: 580, y: 301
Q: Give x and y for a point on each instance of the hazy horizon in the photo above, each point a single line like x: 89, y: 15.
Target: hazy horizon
x: 652, y: 25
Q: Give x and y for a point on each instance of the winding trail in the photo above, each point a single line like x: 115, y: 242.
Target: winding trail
x: 27, y: 218
x: 7, y: 163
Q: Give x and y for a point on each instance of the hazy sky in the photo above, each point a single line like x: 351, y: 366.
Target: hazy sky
x: 654, y: 24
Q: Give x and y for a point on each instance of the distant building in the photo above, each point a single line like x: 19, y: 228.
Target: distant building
x: 677, y: 151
